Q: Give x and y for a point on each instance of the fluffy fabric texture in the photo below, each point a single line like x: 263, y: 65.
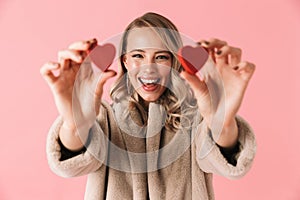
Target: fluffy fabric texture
x: 128, y: 160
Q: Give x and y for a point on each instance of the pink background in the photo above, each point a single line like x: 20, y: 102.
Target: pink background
x: 31, y: 33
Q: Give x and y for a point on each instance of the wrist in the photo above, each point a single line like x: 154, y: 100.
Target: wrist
x: 73, y: 137
x: 229, y: 135
x: 230, y: 123
x: 69, y: 126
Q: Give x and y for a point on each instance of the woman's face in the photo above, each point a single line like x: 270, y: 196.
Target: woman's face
x: 148, y: 63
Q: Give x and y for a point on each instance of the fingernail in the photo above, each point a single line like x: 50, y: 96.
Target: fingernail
x: 219, y: 52
x: 92, y: 46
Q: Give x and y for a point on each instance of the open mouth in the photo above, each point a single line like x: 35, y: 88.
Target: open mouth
x: 149, y: 84
x: 148, y: 81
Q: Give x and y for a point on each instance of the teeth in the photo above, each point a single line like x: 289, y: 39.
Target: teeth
x: 149, y: 81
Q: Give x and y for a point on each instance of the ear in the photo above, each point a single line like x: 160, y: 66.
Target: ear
x: 124, y: 60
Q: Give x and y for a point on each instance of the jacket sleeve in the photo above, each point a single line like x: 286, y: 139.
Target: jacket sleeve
x: 211, y: 159
x: 86, y: 162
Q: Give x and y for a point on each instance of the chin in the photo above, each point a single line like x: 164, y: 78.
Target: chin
x: 150, y: 96
x: 150, y: 99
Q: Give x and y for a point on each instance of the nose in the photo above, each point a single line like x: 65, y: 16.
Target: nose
x: 149, y: 60
x: 150, y: 68
x: 149, y: 65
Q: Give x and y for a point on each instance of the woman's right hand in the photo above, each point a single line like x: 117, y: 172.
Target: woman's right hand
x: 76, y: 89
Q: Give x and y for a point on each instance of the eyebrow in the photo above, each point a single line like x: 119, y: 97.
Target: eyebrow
x: 141, y: 50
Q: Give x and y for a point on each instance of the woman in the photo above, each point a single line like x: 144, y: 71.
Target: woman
x: 162, y: 137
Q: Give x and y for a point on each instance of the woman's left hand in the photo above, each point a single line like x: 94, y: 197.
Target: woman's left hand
x: 223, y: 84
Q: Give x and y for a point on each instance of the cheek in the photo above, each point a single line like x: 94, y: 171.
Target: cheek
x: 132, y: 75
x: 165, y: 70
x: 132, y: 69
x: 132, y: 64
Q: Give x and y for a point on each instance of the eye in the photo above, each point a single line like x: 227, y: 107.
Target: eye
x: 137, y: 55
x: 163, y: 57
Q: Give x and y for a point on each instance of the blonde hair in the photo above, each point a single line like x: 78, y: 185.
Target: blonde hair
x: 179, y: 102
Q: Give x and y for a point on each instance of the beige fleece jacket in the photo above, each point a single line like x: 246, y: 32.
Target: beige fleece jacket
x: 179, y: 171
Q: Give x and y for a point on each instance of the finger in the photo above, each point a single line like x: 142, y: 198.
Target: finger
x: 65, y: 64
x: 246, y: 69
x: 198, y: 85
x: 221, y: 55
x: 207, y: 70
x: 235, y: 57
x: 212, y: 45
x: 104, y: 77
x: 47, y: 71
x: 83, y: 45
x: 229, y: 55
x: 99, y: 89
x: 71, y: 55
x: 203, y: 43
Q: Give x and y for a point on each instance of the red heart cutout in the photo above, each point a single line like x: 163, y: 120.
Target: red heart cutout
x: 103, y: 56
x: 192, y: 58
